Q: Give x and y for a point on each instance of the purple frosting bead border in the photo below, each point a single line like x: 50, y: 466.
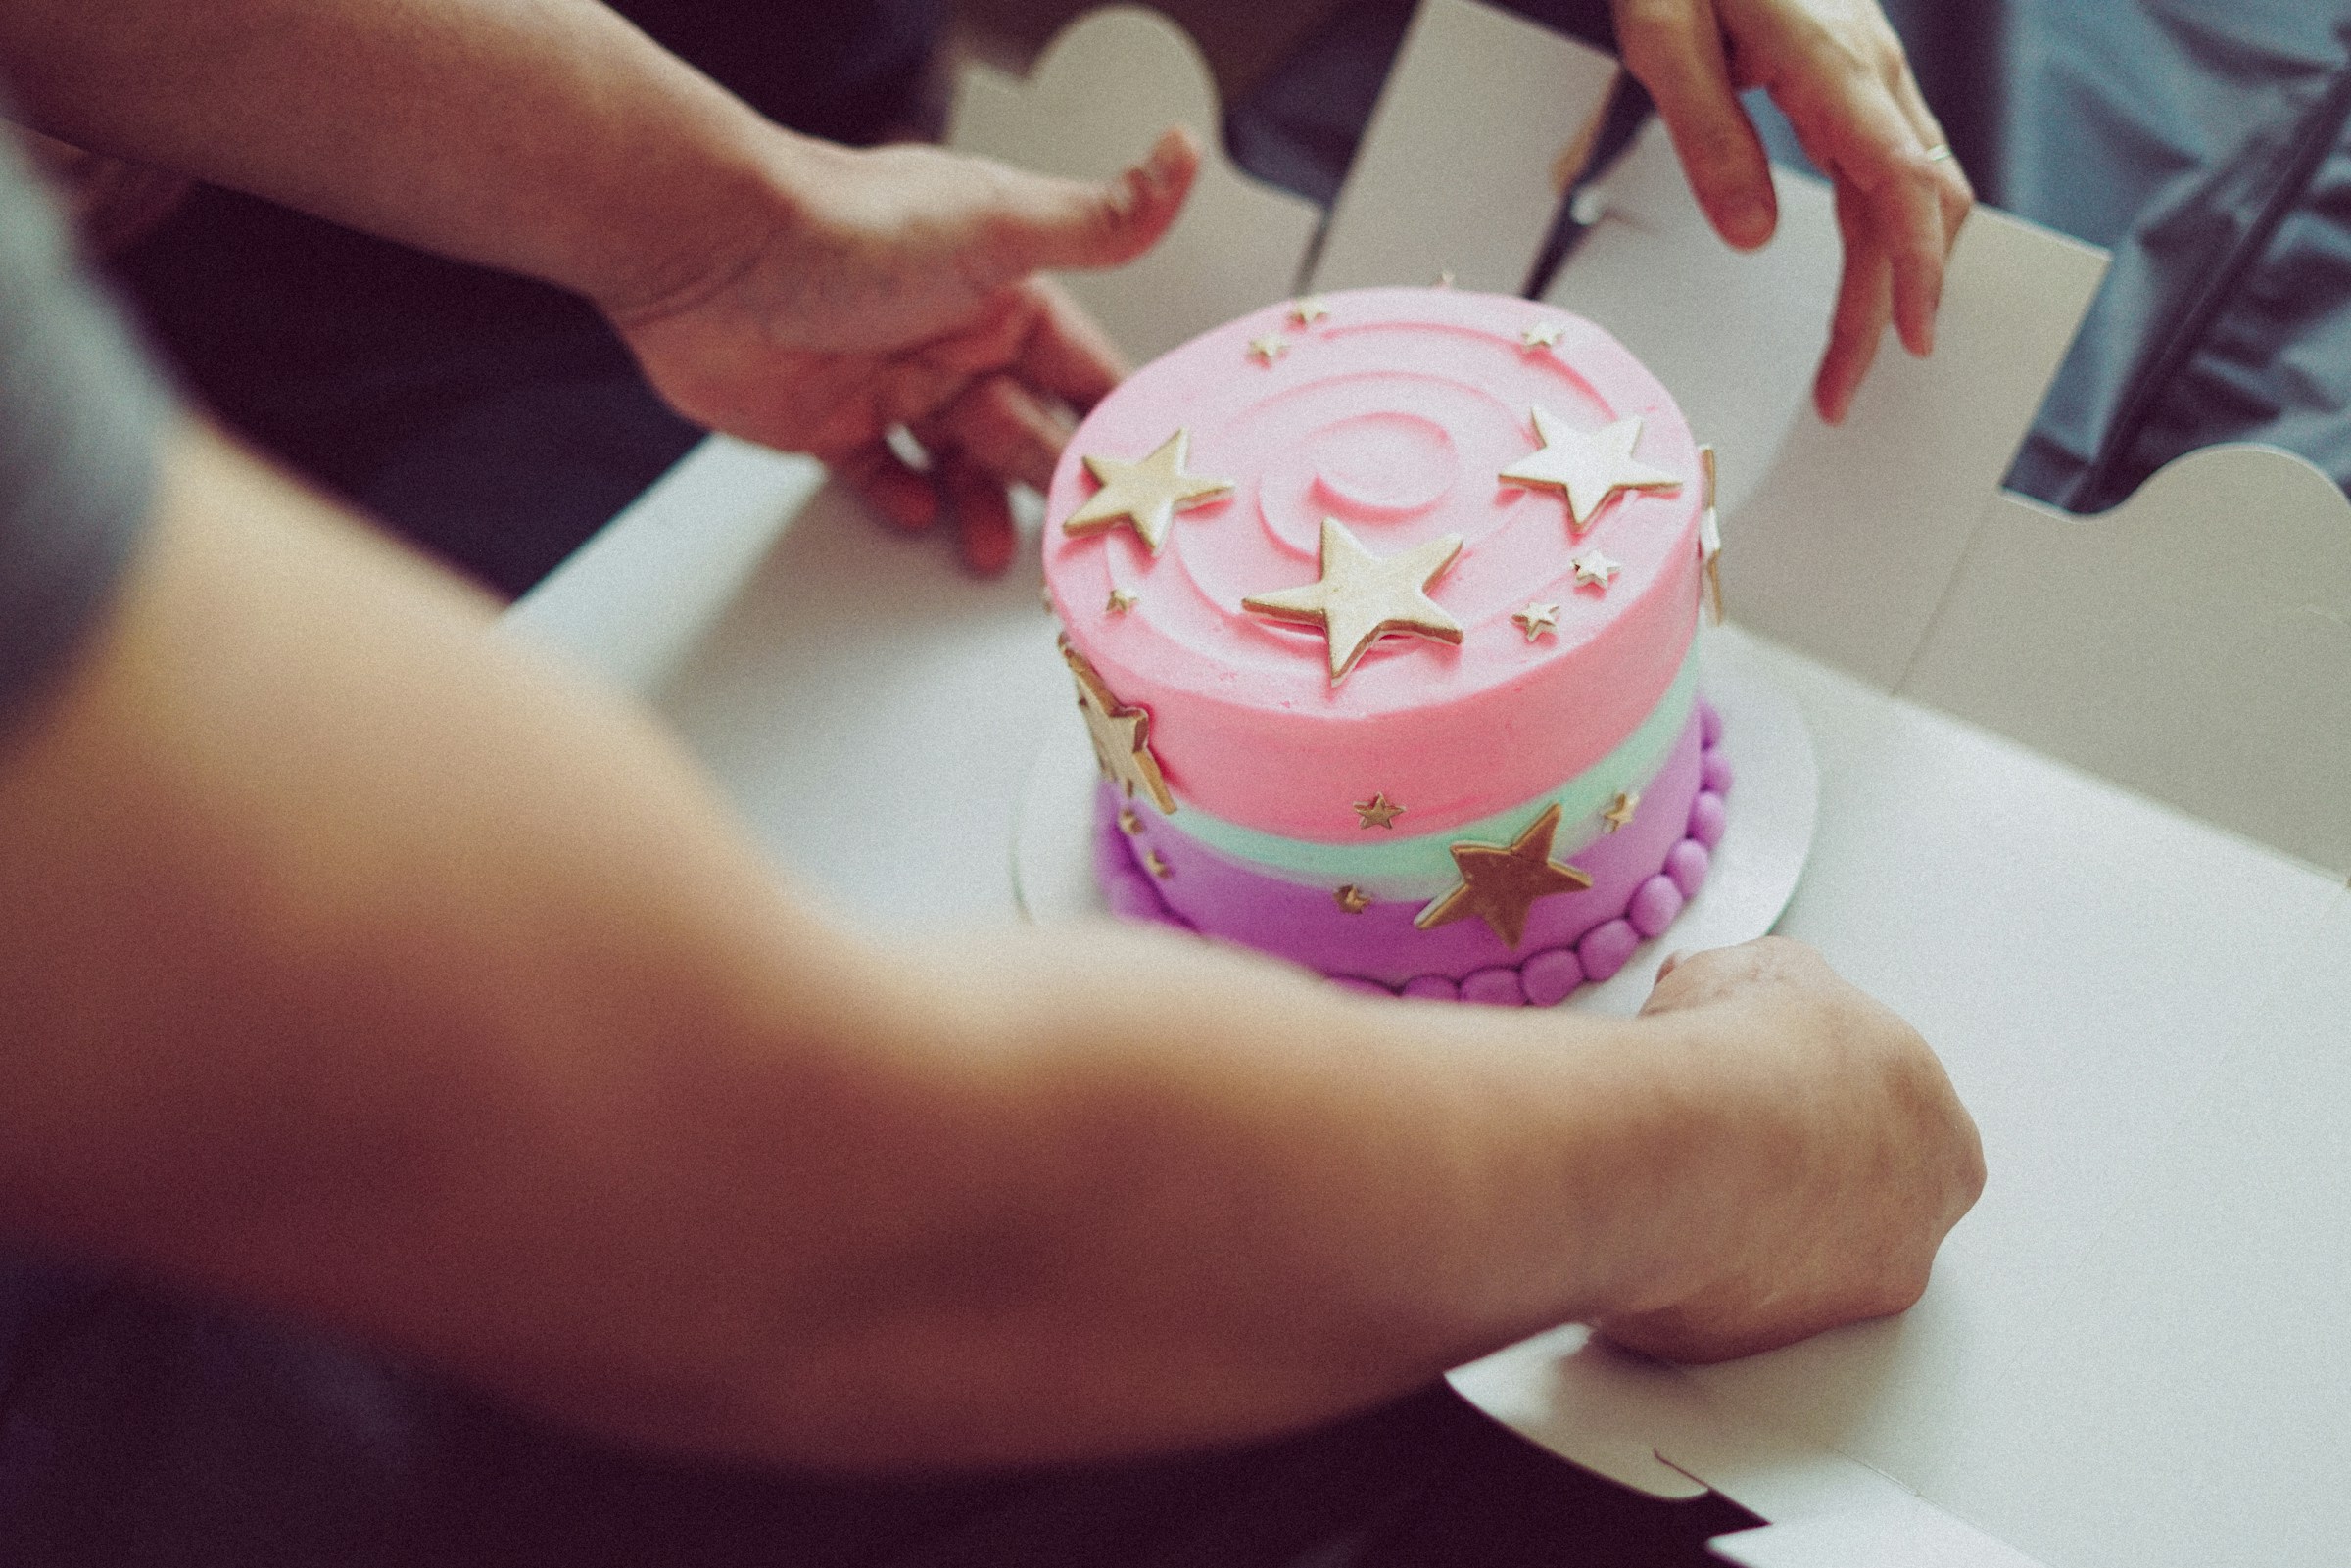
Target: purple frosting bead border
x: 1542, y: 979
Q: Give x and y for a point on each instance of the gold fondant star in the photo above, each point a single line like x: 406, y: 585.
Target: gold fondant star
x: 1587, y: 467
x: 1121, y: 601
x: 1309, y: 311
x: 1129, y: 823
x: 1709, y: 537
x: 1500, y: 885
x: 1122, y: 736
x: 1378, y: 811
x: 1593, y: 567
x: 1709, y: 555
x: 1269, y: 348
x: 1155, y: 864
x: 1537, y: 619
x: 1617, y: 814
x: 1361, y: 597
x: 1543, y: 334
x: 1350, y: 899
x: 1145, y: 494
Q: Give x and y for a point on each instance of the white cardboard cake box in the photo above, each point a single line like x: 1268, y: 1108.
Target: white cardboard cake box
x: 2086, y: 812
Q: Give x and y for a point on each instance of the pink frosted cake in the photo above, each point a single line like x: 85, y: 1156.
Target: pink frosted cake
x: 1383, y: 610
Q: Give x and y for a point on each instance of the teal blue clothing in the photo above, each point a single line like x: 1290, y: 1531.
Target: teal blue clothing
x: 80, y: 411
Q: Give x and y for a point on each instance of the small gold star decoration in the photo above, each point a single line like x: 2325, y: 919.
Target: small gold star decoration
x: 1350, y: 899
x: 1443, y: 280
x: 1593, y: 567
x: 1121, y: 601
x: 1156, y: 866
x: 1499, y: 885
x: 1586, y: 467
x: 1616, y: 816
x: 1378, y: 811
x: 1146, y: 494
x: 1122, y: 736
x: 1537, y: 619
x: 1129, y: 823
x: 1361, y: 596
x: 1269, y: 348
x: 1543, y: 334
x: 1309, y: 311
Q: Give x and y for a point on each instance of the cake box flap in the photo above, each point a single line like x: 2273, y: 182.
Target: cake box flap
x: 1481, y: 126
x: 1105, y: 88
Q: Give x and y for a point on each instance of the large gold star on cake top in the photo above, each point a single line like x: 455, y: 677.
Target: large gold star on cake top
x: 1499, y: 885
x: 1146, y: 494
x: 1587, y: 466
x: 1361, y: 596
x: 1121, y: 737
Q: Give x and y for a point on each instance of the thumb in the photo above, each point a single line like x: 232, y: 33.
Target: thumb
x: 1044, y: 223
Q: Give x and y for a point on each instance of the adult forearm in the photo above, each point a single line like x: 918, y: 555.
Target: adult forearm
x: 545, y: 136
x: 356, y: 964
x: 359, y: 965
x: 1201, y: 1197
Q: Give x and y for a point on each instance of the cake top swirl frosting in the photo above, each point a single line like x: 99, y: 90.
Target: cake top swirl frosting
x: 1405, y: 417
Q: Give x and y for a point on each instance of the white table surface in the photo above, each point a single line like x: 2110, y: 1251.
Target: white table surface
x: 2128, y: 1353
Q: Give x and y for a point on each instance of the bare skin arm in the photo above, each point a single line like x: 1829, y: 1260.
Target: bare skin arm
x: 358, y: 964
x: 773, y: 286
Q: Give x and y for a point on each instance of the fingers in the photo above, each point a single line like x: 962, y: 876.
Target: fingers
x: 1688, y: 979
x: 985, y: 538
x: 1065, y: 353
x: 1002, y: 427
x: 1042, y: 224
x: 994, y: 433
x: 1952, y: 189
x: 904, y: 499
x: 1873, y: 147
x: 1864, y: 305
x: 1675, y: 50
x: 1840, y: 75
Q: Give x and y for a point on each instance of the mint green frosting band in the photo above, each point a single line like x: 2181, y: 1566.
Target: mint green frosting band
x: 1421, y: 865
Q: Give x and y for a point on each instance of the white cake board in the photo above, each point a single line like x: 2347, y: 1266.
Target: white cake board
x: 1775, y: 796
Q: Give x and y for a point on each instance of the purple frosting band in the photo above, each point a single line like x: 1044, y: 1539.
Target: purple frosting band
x: 1641, y: 877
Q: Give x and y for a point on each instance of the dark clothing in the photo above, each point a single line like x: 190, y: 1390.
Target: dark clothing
x: 139, y: 1433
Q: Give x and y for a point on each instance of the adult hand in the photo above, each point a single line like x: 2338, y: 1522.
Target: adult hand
x: 898, y: 292
x: 1837, y: 71
x: 1851, y: 1155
